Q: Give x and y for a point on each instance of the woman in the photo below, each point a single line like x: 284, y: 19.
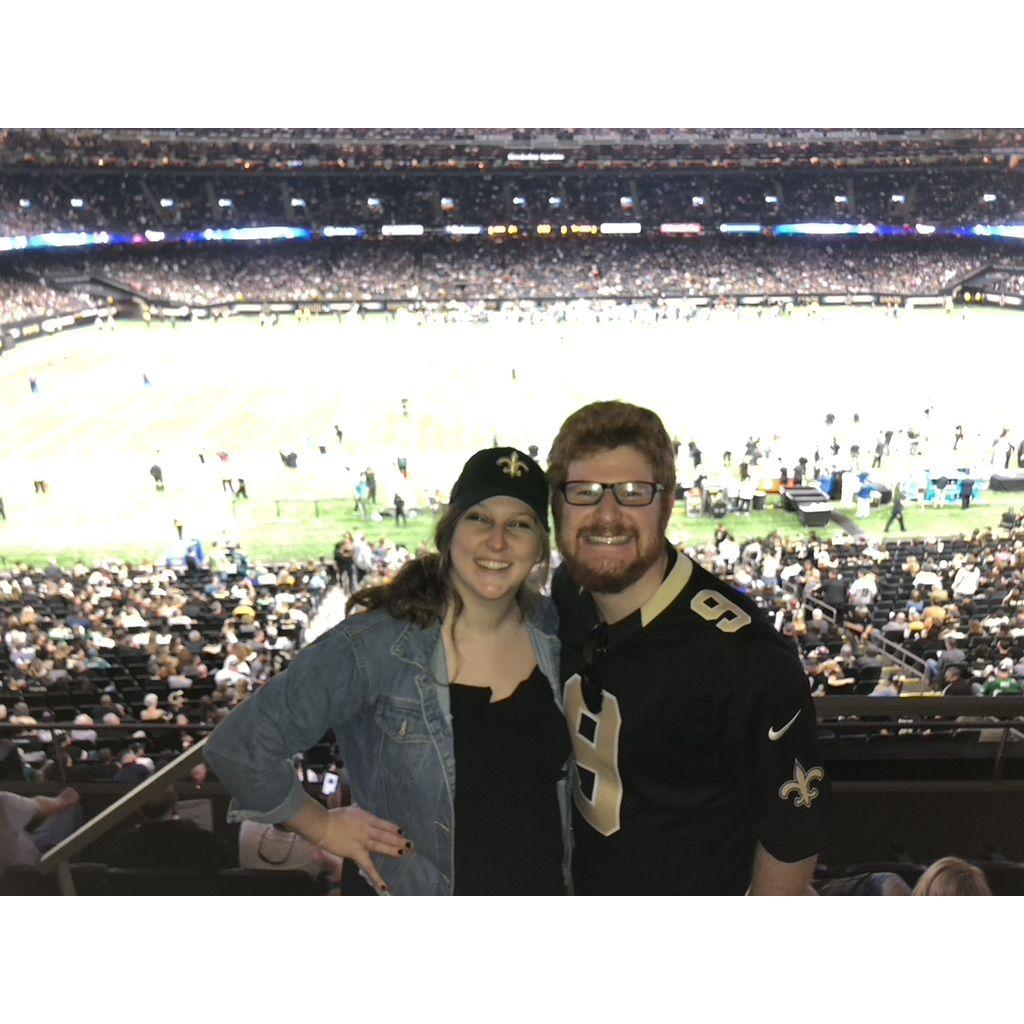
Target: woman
x: 445, y: 702
x: 151, y: 712
x: 952, y: 876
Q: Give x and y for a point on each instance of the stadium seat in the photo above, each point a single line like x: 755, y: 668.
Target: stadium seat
x: 910, y: 873
x: 249, y: 882
x: 23, y: 880
x: 146, y: 882
x: 1006, y: 878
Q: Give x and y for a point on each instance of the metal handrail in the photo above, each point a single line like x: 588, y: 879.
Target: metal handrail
x: 57, y: 859
x: 890, y: 648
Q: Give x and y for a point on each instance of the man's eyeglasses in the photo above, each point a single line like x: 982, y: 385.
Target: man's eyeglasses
x: 630, y: 493
x: 594, y: 649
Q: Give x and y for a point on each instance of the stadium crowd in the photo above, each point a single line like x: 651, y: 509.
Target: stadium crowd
x: 122, y: 645
x: 956, y: 606
x: 123, y: 203
x: 486, y: 148
x: 434, y: 270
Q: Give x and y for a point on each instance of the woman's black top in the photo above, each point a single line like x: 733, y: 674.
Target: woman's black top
x: 509, y: 757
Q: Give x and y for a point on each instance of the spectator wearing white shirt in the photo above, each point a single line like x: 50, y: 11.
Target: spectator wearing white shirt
x: 965, y: 583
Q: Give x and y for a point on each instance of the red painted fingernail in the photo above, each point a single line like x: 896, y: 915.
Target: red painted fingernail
x: 401, y: 853
x: 408, y: 845
x: 400, y: 832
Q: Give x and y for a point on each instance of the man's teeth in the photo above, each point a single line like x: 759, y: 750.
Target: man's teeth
x: 492, y: 565
x: 601, y: 538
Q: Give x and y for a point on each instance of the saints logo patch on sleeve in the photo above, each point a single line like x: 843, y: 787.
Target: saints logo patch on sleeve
x: 801, y: 785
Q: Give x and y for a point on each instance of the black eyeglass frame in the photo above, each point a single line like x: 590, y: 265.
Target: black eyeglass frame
x: 656, y: 490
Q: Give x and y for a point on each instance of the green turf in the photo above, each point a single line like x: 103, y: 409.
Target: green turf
x: 94, y: 430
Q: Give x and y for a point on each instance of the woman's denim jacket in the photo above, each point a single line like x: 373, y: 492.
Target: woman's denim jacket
x: 382, y: 684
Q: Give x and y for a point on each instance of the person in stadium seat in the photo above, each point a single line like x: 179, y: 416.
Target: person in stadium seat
x: 163, y: 840
x: 444, y: 698
x: 29, y: 826
x: 951, y: 655
x: 697, y: 768
x: 956, y: 684
x: 952, y: 876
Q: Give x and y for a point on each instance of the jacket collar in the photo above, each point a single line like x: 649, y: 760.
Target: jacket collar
x: 416, y: 644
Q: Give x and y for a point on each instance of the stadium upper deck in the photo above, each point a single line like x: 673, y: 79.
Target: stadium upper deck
x: 482, y: 149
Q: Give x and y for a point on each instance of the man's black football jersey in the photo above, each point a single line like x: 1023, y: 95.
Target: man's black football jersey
x: 694, y: 737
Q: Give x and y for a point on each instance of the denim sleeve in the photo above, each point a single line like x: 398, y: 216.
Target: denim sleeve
x: 251, y: 750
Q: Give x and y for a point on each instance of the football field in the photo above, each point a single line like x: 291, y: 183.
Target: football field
x: 432, y: 394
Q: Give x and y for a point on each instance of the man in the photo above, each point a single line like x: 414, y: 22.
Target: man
x: 966, y: 489
x: 698, y: 769
x: 955, y: 683
x: 897, y: 512
x: 164, y: 841
x: 29, y: 826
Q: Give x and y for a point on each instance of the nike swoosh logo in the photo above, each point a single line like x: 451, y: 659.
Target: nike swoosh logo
x: 777, y: 734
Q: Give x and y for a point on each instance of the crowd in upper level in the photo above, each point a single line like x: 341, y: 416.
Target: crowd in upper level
x: 126, y: 203
x: 439, y: 270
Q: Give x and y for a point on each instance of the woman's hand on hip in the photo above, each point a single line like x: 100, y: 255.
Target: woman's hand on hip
x: 354, y: 833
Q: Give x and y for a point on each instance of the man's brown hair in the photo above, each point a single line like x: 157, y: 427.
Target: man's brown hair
x: 603, y: 425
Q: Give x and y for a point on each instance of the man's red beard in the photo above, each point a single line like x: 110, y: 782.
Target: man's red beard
x: 607, y: 575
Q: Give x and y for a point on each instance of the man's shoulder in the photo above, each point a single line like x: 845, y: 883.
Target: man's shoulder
x: 711, y: 599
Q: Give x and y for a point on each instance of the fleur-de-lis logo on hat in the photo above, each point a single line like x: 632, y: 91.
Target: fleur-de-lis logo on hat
x: 511, y: 465
x: 800, y: 785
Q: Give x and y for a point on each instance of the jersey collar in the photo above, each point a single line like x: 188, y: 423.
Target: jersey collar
x: 671, y: 587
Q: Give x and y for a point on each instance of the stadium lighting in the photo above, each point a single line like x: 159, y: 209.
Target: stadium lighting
x: 496, y: 229
x: 298, y: 202
x: 988, y: 197
x: 620, y: 229
x: 925, y: 229
x: 840, y: 199
x: 224, y: 202
x: 401, y: 229
x: 543, y: 229
x: 740, y: 229
x: 626, y: 202
x: 58, y: 239
x: 518, y: 201
x: 447, y: 203
x: 333, y: 232
x: 697, y: 201
x: 771, y: 200
x: 825, y: 229
x: 897, y: 197
x: 682, y: 229
x: 555, y: 201
x: 155, y: 236
x: 9, y: 242
x: 165, y: 203
x: 24, y: 203
x: 77, y: 203
x: 1003, y: 230
x: 374, y: 203
x: 464, y: 229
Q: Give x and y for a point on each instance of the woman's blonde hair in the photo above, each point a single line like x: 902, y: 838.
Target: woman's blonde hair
x: 952, y: 876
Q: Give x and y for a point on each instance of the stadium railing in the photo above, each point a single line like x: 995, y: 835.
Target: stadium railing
x: 874, y: 641
x: 59, y: 857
